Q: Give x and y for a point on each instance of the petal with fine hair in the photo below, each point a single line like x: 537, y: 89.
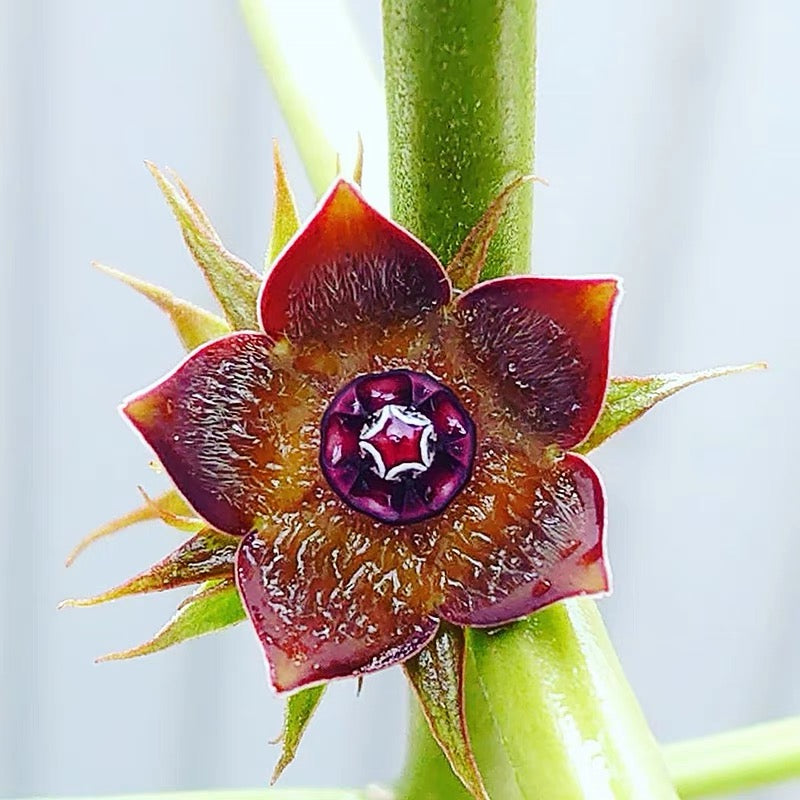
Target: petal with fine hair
x: 349, y: 265
x: 236, y: 435
x: 544, y: 342
x: 332, y: 594
x: 536, y: 537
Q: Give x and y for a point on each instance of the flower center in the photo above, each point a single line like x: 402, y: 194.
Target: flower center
x: 400, y: 442
x: 397, y: 446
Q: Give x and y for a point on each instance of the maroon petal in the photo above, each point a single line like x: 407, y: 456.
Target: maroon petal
x: 231, y: 431
x: 532, y: 539
x: 349, y: 264
x: 545, y: 343
x: 332, y: 595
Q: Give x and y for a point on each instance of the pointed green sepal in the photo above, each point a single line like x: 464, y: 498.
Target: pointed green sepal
x: 208, y: 555
x: 300, y: 707
x: 199, y: 213
x: 210, y: 608
x: 628, y: 398
x: 194, y: 325
x: 168, y: 503
x: 177, y: 516
x: 285, y: 220
x: 468, y: 263
x: 234, y: 283
x: 358, y: 167
x: 437, y: 676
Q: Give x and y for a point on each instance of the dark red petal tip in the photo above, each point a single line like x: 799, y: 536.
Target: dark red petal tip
x: 328, y: 602
x: 349, y: 264
x: 555, y: 552
x: 546, y: 342
x: 215, y: 423
x: 397, y: 446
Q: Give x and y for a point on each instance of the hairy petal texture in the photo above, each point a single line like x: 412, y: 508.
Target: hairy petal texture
x: 545, y: 343
x: 535, y: 537
x: 333, y: 594
x: 349, y: 265
x: 238, y: 437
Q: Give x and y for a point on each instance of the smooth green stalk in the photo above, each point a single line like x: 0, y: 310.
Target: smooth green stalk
x: 551, y: 715
x: 736, y: 760
x: 550, y: 712
x: 316, y: 152
x: 558, y: 719
x: 326, y: 85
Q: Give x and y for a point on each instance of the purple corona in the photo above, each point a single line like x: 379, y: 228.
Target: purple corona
x: 397, y: 446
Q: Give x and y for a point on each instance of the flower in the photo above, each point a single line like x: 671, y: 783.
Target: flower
x: 391, y: 453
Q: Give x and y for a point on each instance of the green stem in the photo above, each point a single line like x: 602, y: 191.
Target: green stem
x: 550, y: 712
x: 326, y: 85
x: 426, y: 775
x: 460, y: 99
x: 566, y: 722
x: 316, y: 151
x: 736, y: 760
x: 728, y: 762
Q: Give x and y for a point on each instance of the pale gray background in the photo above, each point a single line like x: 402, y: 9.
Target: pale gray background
x: 670, y: 132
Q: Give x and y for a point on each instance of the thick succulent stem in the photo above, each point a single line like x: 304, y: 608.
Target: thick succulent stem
x: 551, y: 714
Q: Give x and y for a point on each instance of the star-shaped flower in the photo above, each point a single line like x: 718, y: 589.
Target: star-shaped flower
x: 373, y: 452
x: 388, y: 453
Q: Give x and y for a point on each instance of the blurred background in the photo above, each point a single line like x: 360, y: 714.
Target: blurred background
x: 670, y: 133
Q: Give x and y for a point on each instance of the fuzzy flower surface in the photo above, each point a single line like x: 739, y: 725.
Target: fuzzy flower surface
x: 387, y: 452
